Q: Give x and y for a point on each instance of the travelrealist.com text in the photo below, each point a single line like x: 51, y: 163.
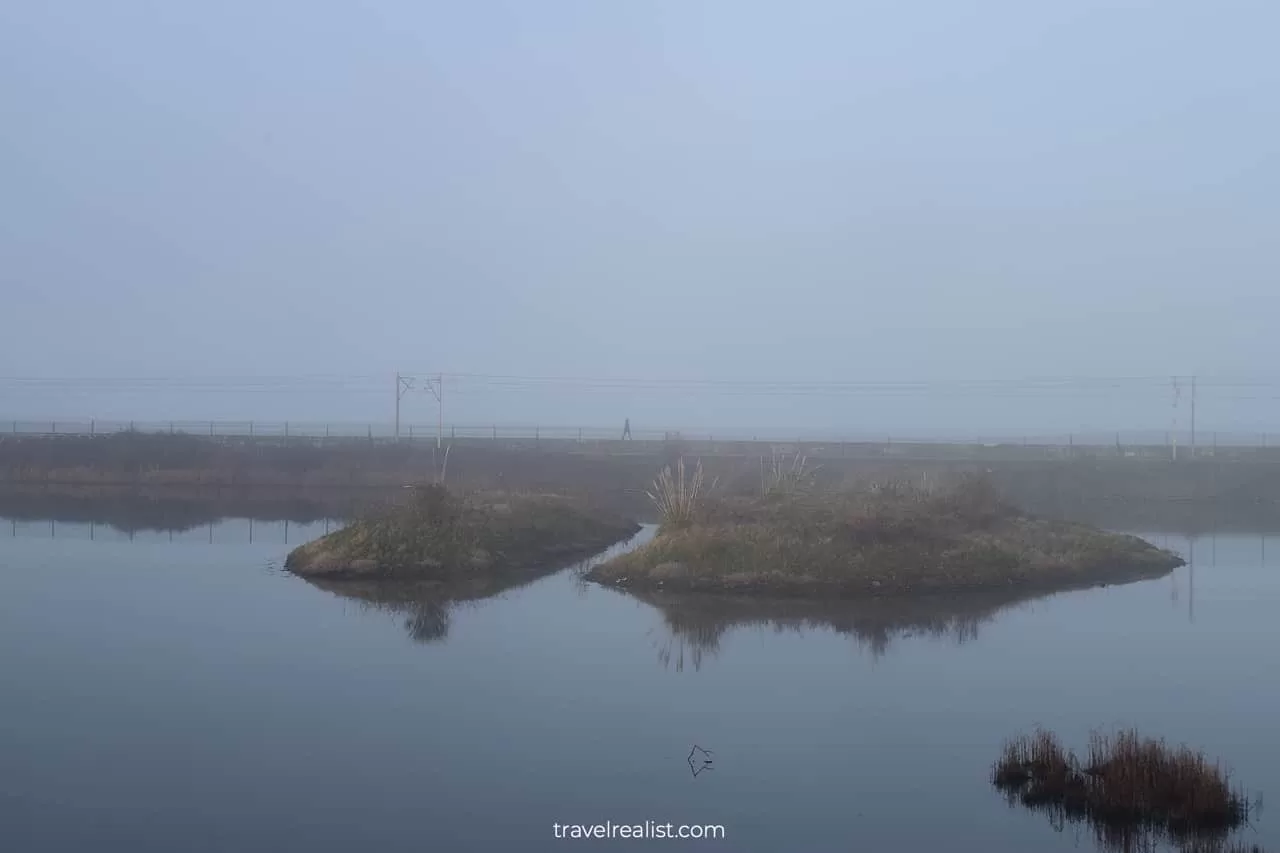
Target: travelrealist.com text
x: 647, y: 830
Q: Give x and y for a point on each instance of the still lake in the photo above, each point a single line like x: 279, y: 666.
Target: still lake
x: 177, y: 691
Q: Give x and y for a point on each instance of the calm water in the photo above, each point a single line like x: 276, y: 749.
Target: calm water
x: 167, y: 695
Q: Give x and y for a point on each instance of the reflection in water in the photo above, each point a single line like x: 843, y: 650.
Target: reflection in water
x: 140, y: 662
x: 700, y: 760
x: 1134, y: 793
x: 697, y: 623
x: 1115, y: 837
x: 427, y: 606
x: 1139, y: 839
x: 1178, y: 516
x: 171, y: 509
x: 219, y: 532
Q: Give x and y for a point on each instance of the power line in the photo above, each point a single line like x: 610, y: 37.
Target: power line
x: 324, y: 380
x: 1225, y: 388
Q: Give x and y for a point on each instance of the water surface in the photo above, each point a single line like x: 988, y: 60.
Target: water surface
x: 189, y: 695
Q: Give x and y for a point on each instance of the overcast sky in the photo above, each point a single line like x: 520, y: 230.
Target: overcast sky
x: 736, y: 190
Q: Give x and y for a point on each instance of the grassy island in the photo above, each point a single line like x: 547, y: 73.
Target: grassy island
x: 878, y: 541
x: 439, y: 535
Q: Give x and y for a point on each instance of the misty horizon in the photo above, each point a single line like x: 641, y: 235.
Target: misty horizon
x: 1142, y: 409
x: 719, y: 191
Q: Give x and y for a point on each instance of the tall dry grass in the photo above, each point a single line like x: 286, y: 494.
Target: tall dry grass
x: 679, y: 495
x: 786, y: 478
x: 1126, y: 783
x: 1136, y: 778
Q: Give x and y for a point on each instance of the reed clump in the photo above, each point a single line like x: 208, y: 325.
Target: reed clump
x: 1124, y: 782
x: 680, y: 495
x: 783, y: 478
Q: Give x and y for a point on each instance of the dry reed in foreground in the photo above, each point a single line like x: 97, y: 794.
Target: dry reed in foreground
x: 1125, y: 783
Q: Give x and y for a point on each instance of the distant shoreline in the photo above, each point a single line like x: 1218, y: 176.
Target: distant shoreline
x: 1077, y: 488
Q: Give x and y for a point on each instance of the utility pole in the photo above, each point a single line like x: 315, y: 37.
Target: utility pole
x: 404, y: 384
x: 436, y: 387
x: 1174, y: 433
x: 435, y: 384
x: 1193, y: 416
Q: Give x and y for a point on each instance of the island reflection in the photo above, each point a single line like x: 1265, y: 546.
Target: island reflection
x: 425, y: 606
x: 695, y: 625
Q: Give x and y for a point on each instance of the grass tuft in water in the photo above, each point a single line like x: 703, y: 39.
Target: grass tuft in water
x: 1125, y: 786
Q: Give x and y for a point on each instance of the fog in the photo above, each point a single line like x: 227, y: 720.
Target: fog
x: 733, y: 192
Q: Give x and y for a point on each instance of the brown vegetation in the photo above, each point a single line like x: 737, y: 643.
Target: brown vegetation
x: 1133, y: 790
x: 879, y: 541
x: 441, y: 534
